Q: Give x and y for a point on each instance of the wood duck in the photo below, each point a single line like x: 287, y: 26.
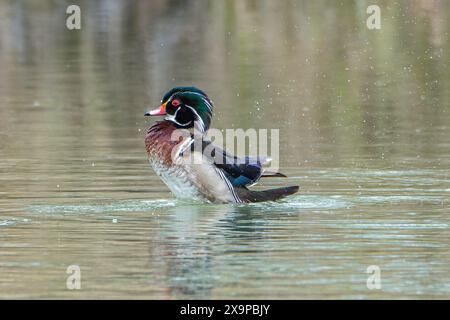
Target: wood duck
x: 214, y: 176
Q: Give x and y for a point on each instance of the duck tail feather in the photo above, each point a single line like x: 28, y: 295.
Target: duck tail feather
x: 265, y: 195
x: 267, y: 174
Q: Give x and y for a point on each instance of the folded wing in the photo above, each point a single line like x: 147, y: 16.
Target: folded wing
x: 241, y: 172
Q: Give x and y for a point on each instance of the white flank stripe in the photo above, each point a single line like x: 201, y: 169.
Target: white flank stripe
x: 199, y: 119
x: 229, y: 185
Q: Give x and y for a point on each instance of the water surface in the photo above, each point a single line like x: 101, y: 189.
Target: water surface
x: 364, y: 119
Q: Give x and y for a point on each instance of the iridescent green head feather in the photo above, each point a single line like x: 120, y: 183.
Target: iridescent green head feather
x: 187, y: 107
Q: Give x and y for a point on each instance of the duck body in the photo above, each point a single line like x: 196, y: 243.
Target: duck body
x: 186, y: 178
x: 179, y: 157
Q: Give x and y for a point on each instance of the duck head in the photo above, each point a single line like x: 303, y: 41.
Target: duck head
x: 185, y: 107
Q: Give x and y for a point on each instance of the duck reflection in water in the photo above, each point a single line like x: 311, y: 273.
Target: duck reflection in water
x: 194, y: 239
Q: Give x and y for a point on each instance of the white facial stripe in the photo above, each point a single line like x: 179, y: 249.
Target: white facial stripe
x: 199, y: 119
x: 201, y: 95
x: 204, y: 99
x: 173, y: 119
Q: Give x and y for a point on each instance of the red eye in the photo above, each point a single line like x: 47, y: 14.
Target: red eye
x: 176, y: 103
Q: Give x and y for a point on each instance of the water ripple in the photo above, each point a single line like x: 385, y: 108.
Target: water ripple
x: 123, y: 206
x: 307, y: 202
x: 5, y: 223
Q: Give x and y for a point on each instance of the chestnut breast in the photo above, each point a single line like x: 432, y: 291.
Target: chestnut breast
x: 159, y: 144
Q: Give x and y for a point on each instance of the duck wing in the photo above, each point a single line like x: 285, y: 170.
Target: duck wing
x: 240, y: 171
x: 195, y: 176
x: 234, y: 174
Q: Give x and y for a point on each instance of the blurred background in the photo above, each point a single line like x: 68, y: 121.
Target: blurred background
x: 363, y: 114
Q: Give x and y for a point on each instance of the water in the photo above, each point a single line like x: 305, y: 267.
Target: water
x: 364, y: 123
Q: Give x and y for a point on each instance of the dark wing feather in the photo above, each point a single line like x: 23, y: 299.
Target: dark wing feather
x: 246, y: 195
x: 240, y: 171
